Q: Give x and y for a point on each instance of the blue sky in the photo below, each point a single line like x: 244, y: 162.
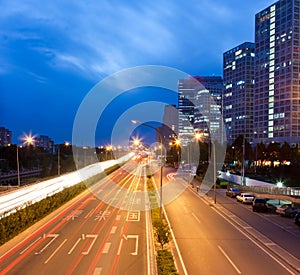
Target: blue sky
x: 53, y: 52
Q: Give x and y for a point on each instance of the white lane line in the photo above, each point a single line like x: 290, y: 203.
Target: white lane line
x: 97, y: 271
x: 120, y: 247
x: 30, y: 246
x: 71, y: 250
x: 90, y: 213
x: 196, y: 218
x: 250, y: 237
x: 106, y: 248
x: 175, y: 242
x: 94, y: 237
x: 228, y: 258
x: 54, y: 236
x: 147, y: 227
x: 51, y: 256
x: 113, y: 230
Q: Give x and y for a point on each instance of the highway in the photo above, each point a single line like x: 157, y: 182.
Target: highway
x: 114, y: 235
x: 88, y: 236
x: 228, y: 238
x: 35, y: 192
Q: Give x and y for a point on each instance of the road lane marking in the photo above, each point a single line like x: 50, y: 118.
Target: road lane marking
x: 133, y: 216
x: 106, y: 248
x: 74, y: 214
x: 97, y: 271
x: 250, y: 237
x: 120, y: 247
x: 113, y: 230
x: 228, y: 258
x: 90, y: 213
x: 54, y: 236
x: 136, y: 237
x: 118, y: 217
x: 91, y: 245
x: 196, y: 218
x: 30, y: 245
x: 269, y: 244
x: 55, y: 251
x: 77, y: 242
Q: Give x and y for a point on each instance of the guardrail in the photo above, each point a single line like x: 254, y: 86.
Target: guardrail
x: 283, y: 191
x: 261, y: 187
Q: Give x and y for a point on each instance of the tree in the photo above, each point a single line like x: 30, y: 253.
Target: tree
x: 161, y: 233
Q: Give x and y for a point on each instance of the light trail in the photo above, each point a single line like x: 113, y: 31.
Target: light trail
x: 21, y: 198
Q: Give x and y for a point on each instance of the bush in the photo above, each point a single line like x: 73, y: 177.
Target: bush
x: 22, y: 219
x: 165, y: 263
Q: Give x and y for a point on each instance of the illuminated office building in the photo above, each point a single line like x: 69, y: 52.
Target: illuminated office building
x: 199, y: 107
x: 238, y: 71
x: 277, y: 73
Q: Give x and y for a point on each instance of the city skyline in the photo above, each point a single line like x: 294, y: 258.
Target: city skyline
x: 54, y: 54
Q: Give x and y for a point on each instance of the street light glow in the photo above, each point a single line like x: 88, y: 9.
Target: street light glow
x: 29, y: 139
x: 177, y: 142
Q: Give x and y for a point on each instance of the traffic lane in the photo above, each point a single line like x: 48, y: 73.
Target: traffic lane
x: 211, y: 245
x: 61, y: 248
x: 131, y: 255
x: 51, y: 234
x: 280, y: 230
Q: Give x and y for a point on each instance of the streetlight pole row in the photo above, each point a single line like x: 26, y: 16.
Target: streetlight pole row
x: 161, y: 165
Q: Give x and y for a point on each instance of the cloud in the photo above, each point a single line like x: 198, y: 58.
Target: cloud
x: 101, y: 37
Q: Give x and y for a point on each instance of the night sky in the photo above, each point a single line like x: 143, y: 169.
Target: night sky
x: 52, y: 53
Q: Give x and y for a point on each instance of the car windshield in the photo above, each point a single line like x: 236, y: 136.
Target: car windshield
x: 260, y: 200
x: 247, y: 195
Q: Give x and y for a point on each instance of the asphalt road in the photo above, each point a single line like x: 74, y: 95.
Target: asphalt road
x: 227, y: 238
x: 89, y: 236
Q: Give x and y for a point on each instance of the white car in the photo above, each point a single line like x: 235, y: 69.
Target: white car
x: 245, y: 198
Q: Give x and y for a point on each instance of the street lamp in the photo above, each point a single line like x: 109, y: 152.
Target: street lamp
x: 161, y: 156
x: 108, y: 148
x: 18, y: 165
x: 58, y: 157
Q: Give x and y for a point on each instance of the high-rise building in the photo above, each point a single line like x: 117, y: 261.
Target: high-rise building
x: 199, y: 106
x: 238, y: 73
x: 186, y: 107
x: 5, y: 136
x: 169, y: 128
x: 277, y: 73
x: 208, y: 120
x: 45, y: 142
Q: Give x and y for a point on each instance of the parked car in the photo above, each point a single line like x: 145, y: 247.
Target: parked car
x: 232, y: 192
x: 287, y: 210
x: 297, y: 218
x: 259, y: 205
x: 245, y: 198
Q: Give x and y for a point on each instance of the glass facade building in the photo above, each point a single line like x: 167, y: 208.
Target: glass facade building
x: 277, y: 73
x: 238, y: 72
x: 199, y: 107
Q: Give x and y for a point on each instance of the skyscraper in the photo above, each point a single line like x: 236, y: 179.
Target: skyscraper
x: 199, y: 106
x: 277, y: 73
x: 238, y: 71
x: 208, y: 120
x: 5, y: 136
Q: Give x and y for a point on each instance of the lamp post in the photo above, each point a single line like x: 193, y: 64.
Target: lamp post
x: 161, y: 166
x: 215, y: 172
x: 18, y: 167
x: 58, y: 157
